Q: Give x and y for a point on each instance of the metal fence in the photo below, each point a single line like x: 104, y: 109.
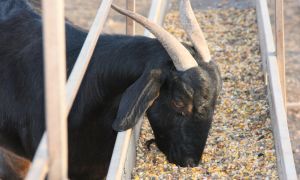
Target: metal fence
x: 52, y: 153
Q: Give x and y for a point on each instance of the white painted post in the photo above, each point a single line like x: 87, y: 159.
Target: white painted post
x: 130, y: 24
x: 285, y: 160
x: 54, y: 19
x: 86, y: 52
x: 55, y: 85
x: 123, y: 157
x: 280, y: 45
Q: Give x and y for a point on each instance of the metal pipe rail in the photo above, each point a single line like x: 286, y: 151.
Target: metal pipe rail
x: 280, y: 45
x: 43, y: 160
x: 123, y: 157
x: 130, y: 24
x: 55, y: 79
x: 51, y: 155
x: 61, y: 94
x: 285, y: 159
x: 293, y: 105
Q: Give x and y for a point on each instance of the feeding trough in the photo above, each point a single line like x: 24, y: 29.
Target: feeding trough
x: 249, y: 137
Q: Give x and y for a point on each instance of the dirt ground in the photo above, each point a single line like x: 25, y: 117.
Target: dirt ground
x: 81, y: 13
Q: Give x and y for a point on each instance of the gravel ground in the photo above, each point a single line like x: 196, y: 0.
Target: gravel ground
x: 240, y: 144
x: 82, y: 13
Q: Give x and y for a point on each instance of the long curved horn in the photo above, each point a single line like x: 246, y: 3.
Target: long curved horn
x: 180, y: 56
x: 192, y: 28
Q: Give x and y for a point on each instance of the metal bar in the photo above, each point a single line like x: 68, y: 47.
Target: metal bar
x: 124, y: 148
x: 293, y: 105
x: 39, y: 167
x: 280, y: 45
x: 123, y: 138
x: 86, y: 53
x: 155, y: 15
x: 75, y: 78
x: 55, y: 84
x: 285, y: 159
x: 130, y: 24
x: 119, y: 155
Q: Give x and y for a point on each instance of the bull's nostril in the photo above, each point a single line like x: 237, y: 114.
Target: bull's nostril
x: 149, y: 142
x: 189, y: 162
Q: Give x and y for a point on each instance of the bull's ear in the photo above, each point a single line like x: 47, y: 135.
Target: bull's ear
x: 137, y: 99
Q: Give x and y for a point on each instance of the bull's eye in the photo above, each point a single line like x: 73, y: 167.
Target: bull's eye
x: 177, y: 104
x: 185, y: 109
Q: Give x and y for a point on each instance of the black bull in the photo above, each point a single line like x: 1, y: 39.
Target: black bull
x: 127, y: 76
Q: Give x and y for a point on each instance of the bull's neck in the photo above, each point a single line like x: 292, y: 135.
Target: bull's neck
x: 118, y: 61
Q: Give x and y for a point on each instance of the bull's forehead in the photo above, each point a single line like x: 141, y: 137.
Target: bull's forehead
x: 197, y: 79
x: 196, y: 88
x: 185, y: 89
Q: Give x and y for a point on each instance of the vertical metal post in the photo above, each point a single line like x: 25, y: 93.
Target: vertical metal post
x: 130, y: 24
x: 280, y: 45
x: 55, y: 87
x: 156, y: 16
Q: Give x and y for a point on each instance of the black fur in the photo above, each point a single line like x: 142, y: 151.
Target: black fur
x: 126, y: 77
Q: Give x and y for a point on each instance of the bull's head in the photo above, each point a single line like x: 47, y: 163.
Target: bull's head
x: 179, y: 103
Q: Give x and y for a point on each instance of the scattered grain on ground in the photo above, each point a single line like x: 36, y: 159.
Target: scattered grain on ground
x: 240, y: 144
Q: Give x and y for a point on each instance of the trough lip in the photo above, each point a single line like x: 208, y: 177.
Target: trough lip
x: 285, y: 161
